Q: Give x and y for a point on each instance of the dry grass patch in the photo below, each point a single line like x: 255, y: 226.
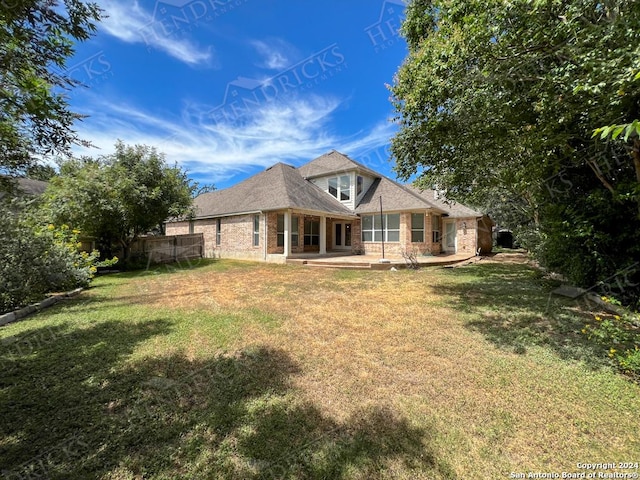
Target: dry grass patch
x: 399, y: 340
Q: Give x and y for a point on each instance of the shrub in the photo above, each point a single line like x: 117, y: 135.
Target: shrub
x: 37, y: 259
x: 619, y: 337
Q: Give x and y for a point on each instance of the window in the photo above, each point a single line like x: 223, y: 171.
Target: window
x: 372, y: 228
x: 280, y: 230
x: 435, y: 228
x: 333, y: 187
x: 256, y: 230
x: 345, y: 187
x: 311, y: 232
x: 218, y: 227
x: 367, y: 228
x: 417, y: 227
x: 359, y: 185
x: 340, y: 187
x: 294, y: 231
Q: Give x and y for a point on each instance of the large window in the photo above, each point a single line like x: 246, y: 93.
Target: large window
x: 218, y: 228
x: 372, y: 228
x: 294, y: 231
x: 417, y: 227
x: 340, y: 187
x: 280, y: 230
x: 435, y: 228
x: 311, y: 232
x: 256, y: 230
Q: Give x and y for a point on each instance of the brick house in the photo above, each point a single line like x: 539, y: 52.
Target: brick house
x: 331, y: 204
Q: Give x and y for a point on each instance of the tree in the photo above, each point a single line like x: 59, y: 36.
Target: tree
x: 201, y: 189
x: 498, y: 103
x: 36, y: 39
x: 118, y: 197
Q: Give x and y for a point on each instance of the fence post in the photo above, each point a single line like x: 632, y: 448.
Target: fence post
x: 175, y: 248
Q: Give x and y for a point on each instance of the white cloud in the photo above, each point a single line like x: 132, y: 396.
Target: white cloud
x: 293, y: 132
x: 276, y: 53
x: 132, y: 24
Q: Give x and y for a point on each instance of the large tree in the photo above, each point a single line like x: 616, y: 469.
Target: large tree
x: 36, y: 39
x: 118, y: 197
x: 498, y: 102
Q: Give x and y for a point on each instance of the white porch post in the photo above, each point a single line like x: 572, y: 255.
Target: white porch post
x: 323, y: 235
x: 287, y: 233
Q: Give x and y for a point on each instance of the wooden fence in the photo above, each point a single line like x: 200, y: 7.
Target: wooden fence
x: 172, y: 248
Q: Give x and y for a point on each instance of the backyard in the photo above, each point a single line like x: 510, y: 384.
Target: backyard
x: 241, y: 370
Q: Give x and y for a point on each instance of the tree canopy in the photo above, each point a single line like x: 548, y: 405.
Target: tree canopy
x: 36, y: 39
x: 498, y: 103
x: 118, y: 197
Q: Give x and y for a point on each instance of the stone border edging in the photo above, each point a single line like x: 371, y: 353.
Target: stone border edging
x: 36, y: 307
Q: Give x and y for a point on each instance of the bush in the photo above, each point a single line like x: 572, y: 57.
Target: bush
x: 38, y: 259
x: 619, y: 337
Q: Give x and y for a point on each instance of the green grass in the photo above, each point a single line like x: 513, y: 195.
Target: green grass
x: 240, y: 370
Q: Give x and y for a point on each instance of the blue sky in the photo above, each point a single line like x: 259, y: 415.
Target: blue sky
x: 226, y: 88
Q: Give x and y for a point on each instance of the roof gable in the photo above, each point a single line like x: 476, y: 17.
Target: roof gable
x: 331, y: 163
x: 276, y: 188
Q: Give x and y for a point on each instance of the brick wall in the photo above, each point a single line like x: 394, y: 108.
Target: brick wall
x: 236, y: 236
x: 356, y: 235
x: 208, y: 230
x: 272, y: 234
x: 177, y: 228
x: 466, y: 237
x: 236, y: 239
x: 300, y: 247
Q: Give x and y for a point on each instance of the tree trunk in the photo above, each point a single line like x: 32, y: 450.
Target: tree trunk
x: 126, y: 249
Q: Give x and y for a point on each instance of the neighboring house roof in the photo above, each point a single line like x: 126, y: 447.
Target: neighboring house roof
x: 27, y: 186
x: 394, y: 197
x: 453, y: 209
x: 332, y: 162
x: 278, y: 187
x: 32, y: 187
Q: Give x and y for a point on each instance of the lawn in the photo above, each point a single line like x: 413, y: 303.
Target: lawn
x: 240, y: 370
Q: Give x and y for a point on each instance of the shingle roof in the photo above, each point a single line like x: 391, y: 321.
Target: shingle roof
x: 278, y: 187
x: 453, y: 209
x: 394, y: 197
x: 26, y: 186
x: 332, y: 162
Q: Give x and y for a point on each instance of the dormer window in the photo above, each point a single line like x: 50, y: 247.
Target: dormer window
x: 340, y: 187
x: 359, y: 185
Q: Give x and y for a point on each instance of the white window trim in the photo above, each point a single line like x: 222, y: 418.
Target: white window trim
x: 256, y: 230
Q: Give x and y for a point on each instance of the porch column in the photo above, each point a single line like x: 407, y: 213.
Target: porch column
x: 287, y: 233
x: 323, y: 235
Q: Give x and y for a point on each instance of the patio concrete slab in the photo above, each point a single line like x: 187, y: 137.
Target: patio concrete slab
x: 372, y: 262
